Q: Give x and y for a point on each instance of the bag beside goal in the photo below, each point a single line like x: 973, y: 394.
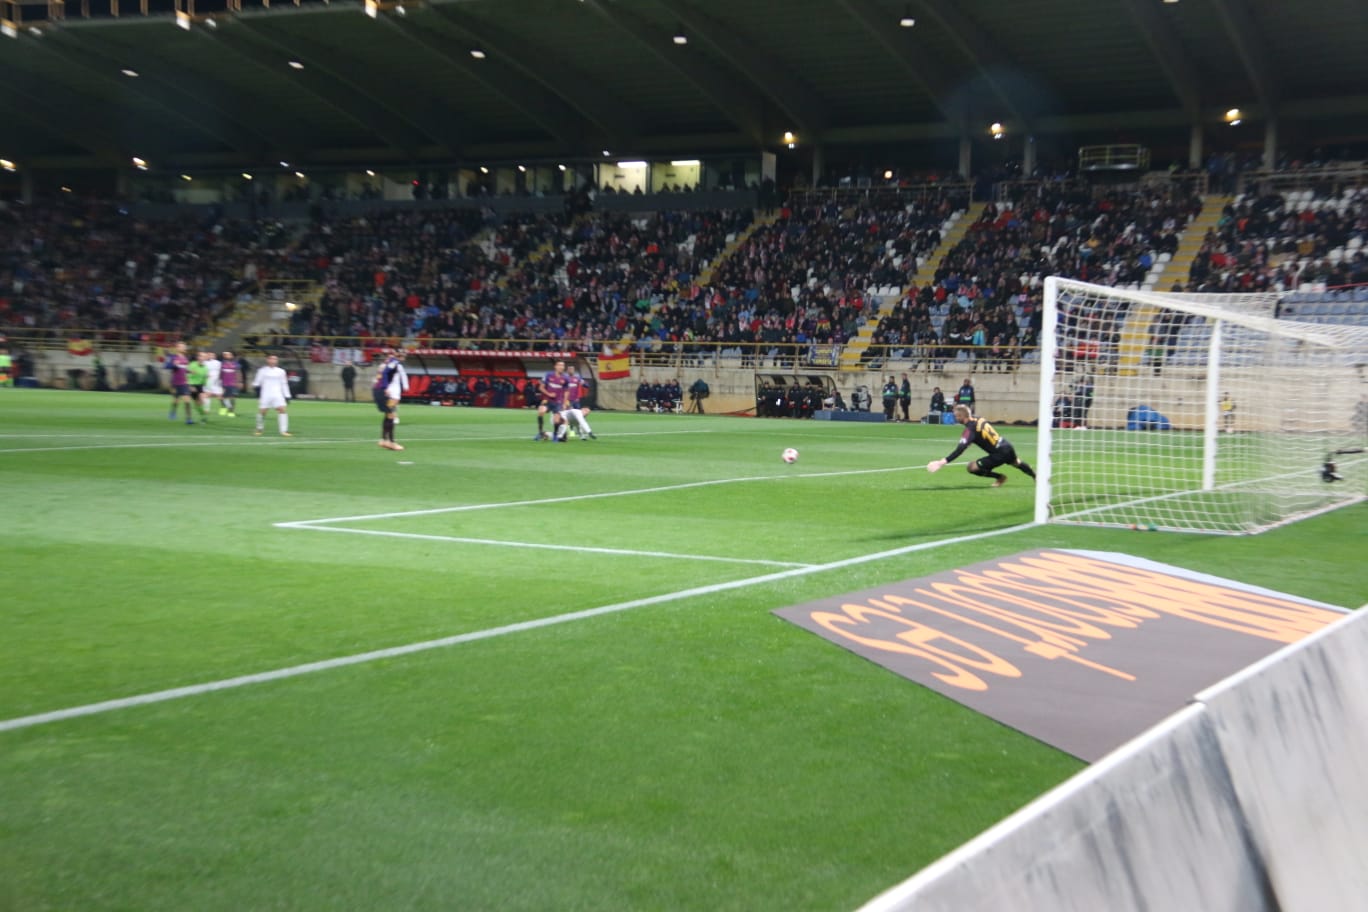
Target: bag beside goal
x: 1195, y: 412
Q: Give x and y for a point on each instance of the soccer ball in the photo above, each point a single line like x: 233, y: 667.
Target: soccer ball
x: 789, y: 455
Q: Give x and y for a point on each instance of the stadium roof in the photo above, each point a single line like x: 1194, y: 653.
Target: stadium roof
x: 327, y: 82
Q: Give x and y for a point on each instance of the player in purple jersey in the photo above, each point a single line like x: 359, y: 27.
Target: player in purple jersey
x: 230, y: 375
x: 178, y: 363
x: 571, y: 410
x: 553, y: 396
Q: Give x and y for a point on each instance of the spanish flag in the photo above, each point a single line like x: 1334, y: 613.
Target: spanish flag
x: 614, y: 367
x: 79, y: 347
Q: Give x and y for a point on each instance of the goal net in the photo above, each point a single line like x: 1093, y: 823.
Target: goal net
x: 1195, y: 412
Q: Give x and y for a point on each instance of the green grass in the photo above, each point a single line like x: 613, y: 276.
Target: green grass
x: 695, y: 753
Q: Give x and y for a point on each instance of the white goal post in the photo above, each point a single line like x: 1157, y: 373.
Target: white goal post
x: 1195, y: 412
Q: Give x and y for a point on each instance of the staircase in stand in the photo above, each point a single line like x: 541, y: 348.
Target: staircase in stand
x: 268, y: 311
x: 705, y: 277
x: 855, y: 349
x: 1135, y: 334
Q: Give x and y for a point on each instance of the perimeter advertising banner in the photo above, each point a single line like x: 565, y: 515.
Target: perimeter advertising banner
x: 1082, y: 650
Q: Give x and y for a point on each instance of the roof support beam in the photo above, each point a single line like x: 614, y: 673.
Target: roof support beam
x: 521, y: 92
x: 741, y: 106
x: 182, y: 107
x: 423, y: 112
x: 81, y: 127
x: 191, y: 96
x: 900, y: 45
x: 980, y: 49
x: 1253, y: 51
x: 1166, y: 45
x: 801, y: 102
x: 333, y: 89
x: 595, y: 101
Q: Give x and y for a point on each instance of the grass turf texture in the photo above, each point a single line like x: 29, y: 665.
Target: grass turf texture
x: 693, y: 754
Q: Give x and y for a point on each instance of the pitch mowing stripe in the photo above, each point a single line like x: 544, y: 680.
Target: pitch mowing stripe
x: 569, y: 498
x: 580, y: 548
x: 194, y: 690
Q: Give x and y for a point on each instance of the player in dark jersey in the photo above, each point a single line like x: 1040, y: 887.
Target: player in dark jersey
x: 980, y: 433
x: 231, y: 377
x: 553, y: 389
x: 179, y: 365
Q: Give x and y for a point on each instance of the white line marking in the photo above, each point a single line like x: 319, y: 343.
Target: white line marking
x: 580, y: 548
x: 161, y: 696
x: 311, y: 523
x: 232, y: 441
x: 222, y: 442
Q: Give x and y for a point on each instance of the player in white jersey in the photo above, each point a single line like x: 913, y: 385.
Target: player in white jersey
x: 273, y: 392
x: 571, y: 410
x: 213, y: 383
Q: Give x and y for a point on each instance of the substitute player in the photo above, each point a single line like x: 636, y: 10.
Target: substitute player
x: 980, y: 433
x: 390, y: 382
x: 273, y: 392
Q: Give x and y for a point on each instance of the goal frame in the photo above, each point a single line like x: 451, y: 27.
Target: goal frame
x: 1248, y: 312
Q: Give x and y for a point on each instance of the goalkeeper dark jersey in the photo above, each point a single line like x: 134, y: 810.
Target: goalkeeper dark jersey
x: 983, y: 435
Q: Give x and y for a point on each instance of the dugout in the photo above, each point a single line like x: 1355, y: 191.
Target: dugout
x: 481, y: 379
x: 791, y: 395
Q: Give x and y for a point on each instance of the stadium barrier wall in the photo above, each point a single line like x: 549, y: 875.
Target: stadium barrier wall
x: 1294, y: 732
x: 1252, y: 798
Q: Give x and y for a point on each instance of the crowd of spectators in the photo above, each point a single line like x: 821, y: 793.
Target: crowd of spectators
x: 804, y: 278
x: 987, y: 292
x: 92, y: 266
x: 1280, y: 242
x: 569, y: 282
x: 578, y: 280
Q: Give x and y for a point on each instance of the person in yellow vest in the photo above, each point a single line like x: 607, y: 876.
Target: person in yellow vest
x: 6, y: 367
x: 1227, y: 413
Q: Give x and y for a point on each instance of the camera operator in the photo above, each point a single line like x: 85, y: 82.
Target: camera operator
x: 697, y: 393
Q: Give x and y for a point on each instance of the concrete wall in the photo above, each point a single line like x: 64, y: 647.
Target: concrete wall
x: 1252, y: 798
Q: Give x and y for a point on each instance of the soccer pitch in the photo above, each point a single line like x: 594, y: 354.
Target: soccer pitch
x: 493, y: 673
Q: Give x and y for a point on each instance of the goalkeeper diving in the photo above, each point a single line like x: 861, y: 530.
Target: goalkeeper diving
x: 980, y: 433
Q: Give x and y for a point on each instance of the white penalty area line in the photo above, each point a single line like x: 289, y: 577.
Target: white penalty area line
x: 294, y: 671
x: 329, y: 525
x: 569, y: 498
x: 581, y: 549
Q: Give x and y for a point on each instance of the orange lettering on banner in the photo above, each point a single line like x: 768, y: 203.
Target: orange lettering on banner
x: 1046, y: 650
x: 1070, y: 635
x: 919, y: 640
x: 1105, y: 614
x: 1054, y: 581
x: 1039, y: 648
x: 1215, y: 606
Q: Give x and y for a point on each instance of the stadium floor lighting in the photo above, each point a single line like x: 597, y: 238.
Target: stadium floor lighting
x: 131, y: 74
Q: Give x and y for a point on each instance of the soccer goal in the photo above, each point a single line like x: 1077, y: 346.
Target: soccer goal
x: 1195, y: 412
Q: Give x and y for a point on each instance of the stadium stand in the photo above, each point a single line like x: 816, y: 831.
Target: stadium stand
x: 92, y: 266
